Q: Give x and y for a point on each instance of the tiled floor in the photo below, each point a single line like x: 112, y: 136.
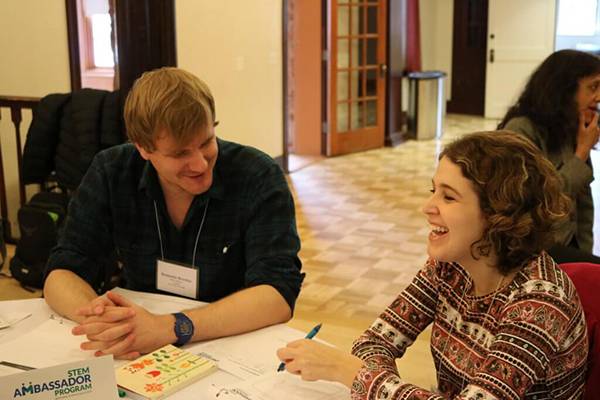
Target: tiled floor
x: 363, y: 237
x: 359, y: 217
x: 297, y: 162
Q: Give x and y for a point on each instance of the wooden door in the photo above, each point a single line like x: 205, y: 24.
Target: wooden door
x: 356, y: 75
x: 469, y: 42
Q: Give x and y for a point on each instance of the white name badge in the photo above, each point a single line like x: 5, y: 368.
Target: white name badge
x: 177, y: 279
x: 81, y: 380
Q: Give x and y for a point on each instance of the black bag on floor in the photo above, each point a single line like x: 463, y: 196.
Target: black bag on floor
x: 40, y: 221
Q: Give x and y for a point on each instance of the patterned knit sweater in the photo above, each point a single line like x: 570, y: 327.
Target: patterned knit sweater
x: 527, y: 340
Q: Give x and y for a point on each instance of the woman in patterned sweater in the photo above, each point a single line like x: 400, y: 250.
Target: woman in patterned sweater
x: 507, y: 322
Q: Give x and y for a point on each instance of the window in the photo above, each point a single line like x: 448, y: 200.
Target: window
x: 94, y: 37
x: 577, y: 18
x: 103, y: 56
x: 578, y: 25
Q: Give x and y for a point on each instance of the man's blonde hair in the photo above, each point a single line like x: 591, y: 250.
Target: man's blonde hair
x: 167, y: 99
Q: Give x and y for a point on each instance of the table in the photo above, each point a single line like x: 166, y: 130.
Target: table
x: 43, y: 339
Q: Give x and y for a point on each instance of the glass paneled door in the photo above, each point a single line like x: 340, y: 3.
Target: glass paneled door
x: 356, y: 75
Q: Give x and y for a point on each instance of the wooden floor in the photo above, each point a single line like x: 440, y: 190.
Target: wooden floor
x: 363, y: 238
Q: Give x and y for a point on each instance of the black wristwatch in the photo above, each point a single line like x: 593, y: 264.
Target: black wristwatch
x: 184, y: 328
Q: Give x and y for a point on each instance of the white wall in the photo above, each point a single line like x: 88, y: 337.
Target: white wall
x: 235, y: 46
x: 33, y: 48
x: 35, y: 62
x: 436, y: 19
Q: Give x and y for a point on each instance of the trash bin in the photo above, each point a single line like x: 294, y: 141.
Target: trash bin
x: 425, y: 104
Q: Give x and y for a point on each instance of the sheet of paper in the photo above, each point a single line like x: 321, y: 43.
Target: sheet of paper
x: 282, y: 385
x: 234, y: 355
x: 206, y: 387
x: 10, y: 318
x: 159, y: 303
x: 6, y: 370
x: 48, y: 344
x: 13, y: 309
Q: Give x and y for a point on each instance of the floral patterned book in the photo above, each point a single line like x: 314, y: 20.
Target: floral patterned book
x: 162, y: 372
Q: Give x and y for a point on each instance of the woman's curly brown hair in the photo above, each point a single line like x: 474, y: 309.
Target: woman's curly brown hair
x: 520, y: 194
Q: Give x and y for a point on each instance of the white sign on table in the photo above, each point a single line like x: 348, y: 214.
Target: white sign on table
x: 82, y: 380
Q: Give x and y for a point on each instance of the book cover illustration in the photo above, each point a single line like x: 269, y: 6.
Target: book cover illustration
x: 163, y: 371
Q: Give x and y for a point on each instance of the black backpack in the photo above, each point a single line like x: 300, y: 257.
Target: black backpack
x: 66, y: 132
x: 40, y: 221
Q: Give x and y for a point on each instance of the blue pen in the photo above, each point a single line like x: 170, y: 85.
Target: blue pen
x: 313, y: 332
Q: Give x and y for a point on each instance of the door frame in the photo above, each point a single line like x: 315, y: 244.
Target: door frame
x: 288, y: 83
x: 299, y: 61
x: 284, y: 163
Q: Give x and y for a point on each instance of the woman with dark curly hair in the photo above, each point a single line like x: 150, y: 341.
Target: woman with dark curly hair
x: 507, y: 322
x: 557, y: 111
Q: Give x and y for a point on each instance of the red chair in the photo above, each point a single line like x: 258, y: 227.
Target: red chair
x: 586, y: 278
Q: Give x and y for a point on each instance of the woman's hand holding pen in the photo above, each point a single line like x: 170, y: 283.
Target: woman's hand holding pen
x: 313, y: 361
x: 587, y: 136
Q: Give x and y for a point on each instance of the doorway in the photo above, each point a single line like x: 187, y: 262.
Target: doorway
x: 90, y: 27
x: 468, y: 57
x: 335, y: 78
x: 302, y: 42
x: 142, y: 38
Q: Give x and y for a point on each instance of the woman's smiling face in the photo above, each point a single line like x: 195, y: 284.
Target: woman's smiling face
x: 454, y: 215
